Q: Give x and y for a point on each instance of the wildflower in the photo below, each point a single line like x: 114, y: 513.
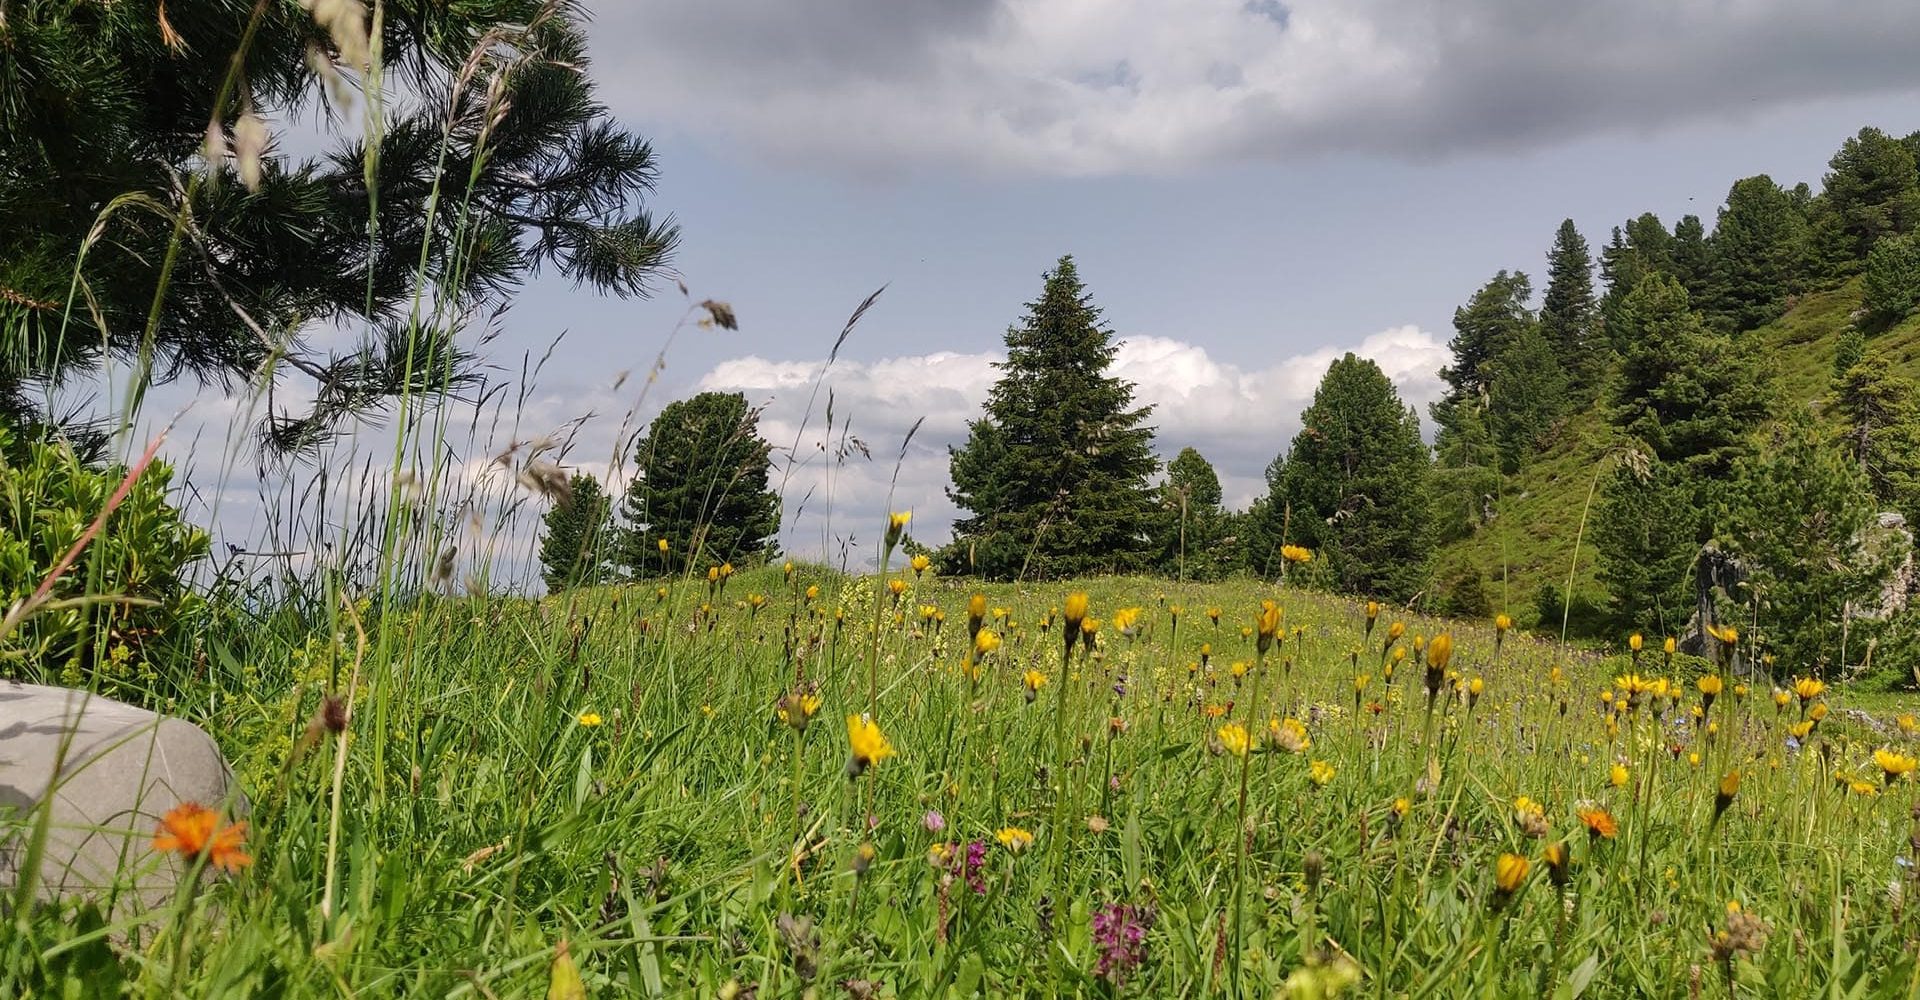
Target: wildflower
x: 1800, y: 730
x: 662, y: 543
x: 1120, y: 938
x: 1530, y: 817
x: 1073, y: 617
x: 1213, y: 614
x: 1634, y: 642
x: 1475, y: 688
x: 1289, y: 735
x: 1360, y: 683
x: 1268, y: 624
x: 863, y: 857
x: 1723, y: 796
x: 1907, y: 723
x: 1126, y: 620
x: 194, y: 832
x: 1014, y: 839
x: 1501, y: 623
x: 1400, y: 807
x: 1320, y: 772
x: 1744, y: 936
x: 1781, y: 699
x: 589, y: 719
x: 1509, y: 876
x: 1296, y: 553
x: 919, y: 563
x: 1033, y: 681
x: 1808, y: 688
x: 1557, y: 859
x: 1600, y: 823
x: 1864, y: 789
x: 896, y: 587
x: 1439, y: 651
x: 1617, y: 775
x: 870, y: 745
x: 985, y: 641
x: 933, y: 822
x: 896, y: 526
x: 797, y: 709
x: 1893, y: 765
x: 1233, y: 738
x: 1669, y: 646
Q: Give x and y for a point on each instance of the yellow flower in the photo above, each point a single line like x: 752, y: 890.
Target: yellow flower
x: 1396, y: 630
x: 1669, y: 646
x: 896, y: 587
x: 797, y: 709
x: 1893, y: 764
x: 1501, y: 623
x: 663, y: 546
x: 1125, y: 619
x: 1074, y: 611
x: 985, y: 641
x: 1033, y: 680
x: 1799, y: 730
x: 1320, y: 772
x: 1233, y: 736
x: 1268, y: 621
x: 920, y: 563
x: 1296, y: 553
x: 1634, y: 642
x: 1781, y: 698
x: 870, y: 745
x: 1360, y: 683
x: 1014, y: 839
x: 590, y: 719
x: 1617, y: 775
x: 1710, y: 685
x: 1864, y: 788
x: 1818, y: 712
x: 1289, y: 735
x: 1808, y: 688
x: 1476, y: 687
x: 1510, y: 873
x: 1439, y: 651
x: 1373, y: 612
x: 1401, y: 806
x: 813, y: 592
x: 1526, y: 809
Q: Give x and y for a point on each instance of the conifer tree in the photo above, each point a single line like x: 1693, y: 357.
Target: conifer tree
x: 1196, y: 519
x: 1504, y: 368
x: 1871, y: 191
x: 572, y: 546
x: 1685, y: 392
x: 1692, y: 262
x: 700, y: 486
x: 1648, y: 527
x: 1890, y: 288
x: 1757, y: 252
x: 1879, y: 414
x: 1569, y: 310
x: 1352, y: 486
x: 1054, y: 475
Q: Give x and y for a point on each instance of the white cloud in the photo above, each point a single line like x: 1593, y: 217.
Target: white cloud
x: 1132, y: 86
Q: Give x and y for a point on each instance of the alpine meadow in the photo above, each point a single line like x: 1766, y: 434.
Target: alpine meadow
x: 379, y: 618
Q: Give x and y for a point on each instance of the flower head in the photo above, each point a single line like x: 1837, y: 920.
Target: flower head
x: 193, y: 831
x: 797, y: 709
x: 1808, y: 688
x: 1288, y: 734
x: 870, y: 745
x: 1014, y: 839
x: 1233, y: 737
x: 1320, y: 772
x: 1509, y: 876
x: 589, y: 719
x: 1600, y: 823
x: 1439, y: 651
x: 1120, y: 938
x: 1893, y: 764
x: 1296, y: 553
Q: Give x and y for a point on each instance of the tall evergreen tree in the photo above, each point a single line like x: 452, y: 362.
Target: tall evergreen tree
x: 1621, y: 270
x: 1692, y: 262
x: 1054, y: 476
x: 1684, y: 391
x: 1569, y: 310
x: 1196, y: 519
x: 105, y: 111
x: 700, y: 485
x: 1890, y: 288
x: 573, y: 547
x: 1871, y: 191
x: 1505, y: 368
x: 1800, y: 523
x: 1757, y: 252
x: 1353, y: 484
x: 1879, y: 413
x: 1651, y: 242
x: 1482, y: 329
x: 1648, y: 527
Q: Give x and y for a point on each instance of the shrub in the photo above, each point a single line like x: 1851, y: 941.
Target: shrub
x: 1890, y: 289
x: 123, y: 597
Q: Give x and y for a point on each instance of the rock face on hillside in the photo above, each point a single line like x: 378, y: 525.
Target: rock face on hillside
x: 107, y: 772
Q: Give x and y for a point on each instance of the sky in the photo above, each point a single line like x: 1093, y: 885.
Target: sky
x: 1250, y: 187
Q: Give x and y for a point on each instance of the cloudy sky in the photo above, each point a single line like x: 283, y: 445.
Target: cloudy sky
x: 1251, y: 187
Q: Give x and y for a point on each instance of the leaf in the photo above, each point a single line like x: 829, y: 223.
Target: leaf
x: 583, y: 781
x: 1582, y: 975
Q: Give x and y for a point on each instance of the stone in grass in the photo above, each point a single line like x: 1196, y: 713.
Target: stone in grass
x: 106, y: 772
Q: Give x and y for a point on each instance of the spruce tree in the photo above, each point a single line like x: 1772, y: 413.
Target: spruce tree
x: 1756, y: 256
x: 1352, y: 486
x: 1685, y: 392
x: 1621, y: 270
x: 1505, y: 367
x: 1054, y: 476
x: 1568, y: 310
x: 1196, y: 519
x: 700, y: 486
x: 1648, y: 526
x: 573, y: 545
x: 1800, y: 521
x: 1890, y: 288
x: 1692, y: 263
x: 1879, y: 414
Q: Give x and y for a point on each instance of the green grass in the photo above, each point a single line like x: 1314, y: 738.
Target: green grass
x: 481, y: 822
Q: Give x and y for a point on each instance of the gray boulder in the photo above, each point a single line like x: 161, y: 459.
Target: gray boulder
x: 103, y: 773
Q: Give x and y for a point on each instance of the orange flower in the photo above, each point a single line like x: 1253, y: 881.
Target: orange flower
x: 194, y: 830
x: 1599, y: 822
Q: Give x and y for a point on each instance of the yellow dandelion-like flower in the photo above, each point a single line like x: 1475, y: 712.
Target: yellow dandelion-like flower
x: 1014, y: 839
x: 870, y: 745
x: 1288, y: 734
x: 589, y: 719
x: 1233, y: 737
x: 1320, y: 772
x: 1893, y: 764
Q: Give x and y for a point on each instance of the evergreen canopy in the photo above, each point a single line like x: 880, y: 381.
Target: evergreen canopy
x: 701, y: 487
x: 1054, y: 474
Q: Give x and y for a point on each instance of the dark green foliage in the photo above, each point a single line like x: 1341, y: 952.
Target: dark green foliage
x: 1756, y: 255
x: 1799, y: 521
x: 1460, y: 590
x: 48, y: 499
x: 1354, y: 481
x: 1648, y: 527
x: 1692, y: 261
x: 1528, y: 393
x: 102, y: 122
x: 1879, y: 414
x: 1505, y: 370
x: 1054, y: 475
x: 700, y: 485
x: 573, y: 546
x: 1569, y: 312
x: 1872, y: 191
x: 1196, y: 522
x: 1685, y: 392
x: 1482, y: 328
x: 1890, y: 287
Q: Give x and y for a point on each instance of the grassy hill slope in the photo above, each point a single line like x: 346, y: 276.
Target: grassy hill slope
x: 1529, y: 541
